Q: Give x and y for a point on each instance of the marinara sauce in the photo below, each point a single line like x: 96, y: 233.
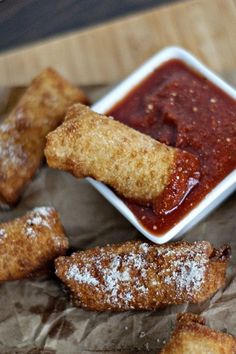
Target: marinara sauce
x: 180, y: 108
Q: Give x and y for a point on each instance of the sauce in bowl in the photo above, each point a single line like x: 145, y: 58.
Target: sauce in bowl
x: 180, y: 108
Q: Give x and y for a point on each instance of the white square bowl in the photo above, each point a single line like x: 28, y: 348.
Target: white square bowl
x: 213, y: 198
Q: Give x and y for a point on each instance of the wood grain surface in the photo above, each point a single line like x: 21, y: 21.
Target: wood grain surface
x: 105, y: 54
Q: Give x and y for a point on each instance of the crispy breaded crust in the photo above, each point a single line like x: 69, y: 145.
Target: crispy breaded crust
x: 135, y: 165
x: 143, y: 276
x: 29, y: 244
x: 192, y: 336
x: 22, y: 134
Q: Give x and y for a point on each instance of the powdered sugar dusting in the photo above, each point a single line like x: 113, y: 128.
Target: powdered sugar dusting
x: 81, y: 277
x: 141, y: 271
x: 113, y: 277
x: 38, y: 220
x: 5, y: 127
x: 44, y: 211
x: 187, y: 268
x: 116, y: 274
x: 11, y: 153
x: 39, y: 217
x: 58, y: 241
x: 3, y: 234
x: 144, y: 247
x: 30, y: 232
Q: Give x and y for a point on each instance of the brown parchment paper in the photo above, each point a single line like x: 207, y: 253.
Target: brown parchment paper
x: 36, y: 315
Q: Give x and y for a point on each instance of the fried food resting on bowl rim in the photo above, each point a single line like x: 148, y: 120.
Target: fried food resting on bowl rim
x: 143, y: 276
x: 135, y: 165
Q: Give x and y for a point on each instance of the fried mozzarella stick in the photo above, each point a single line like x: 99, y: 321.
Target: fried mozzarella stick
x: 22, y: 134
x: 138, y: 167
x: 191, y: 335
x: 143, y: 276
x: 29, y: 244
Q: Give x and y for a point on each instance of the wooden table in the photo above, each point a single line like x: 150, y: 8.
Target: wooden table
x: 106, y: 53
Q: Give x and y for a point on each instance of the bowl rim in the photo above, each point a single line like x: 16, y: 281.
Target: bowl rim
x: 216, y: 195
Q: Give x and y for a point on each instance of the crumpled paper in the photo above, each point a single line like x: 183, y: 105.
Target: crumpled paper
x: 36, y: 315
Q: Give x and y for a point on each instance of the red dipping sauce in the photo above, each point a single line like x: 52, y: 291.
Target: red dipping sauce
x: 180, y: 108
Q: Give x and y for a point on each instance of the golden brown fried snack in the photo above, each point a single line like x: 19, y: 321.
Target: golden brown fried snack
x: 135, y: 165
x: 22, y: 134
x: 191, y: 336
x: 29, y: 244
x: 143, y: 276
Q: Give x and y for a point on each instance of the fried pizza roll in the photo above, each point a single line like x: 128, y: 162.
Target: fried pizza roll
x: 22, y: 134
x: 136, y: 166
x: 29, y: 244
x: 143, y: 276
x: 191, y: 335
